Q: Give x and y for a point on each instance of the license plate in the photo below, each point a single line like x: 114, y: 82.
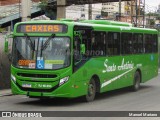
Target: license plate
x: 26, y: 85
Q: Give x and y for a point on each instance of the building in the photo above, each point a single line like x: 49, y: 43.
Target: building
x: 112, y: 8
x: 81, y: 11
x: 10, y: 2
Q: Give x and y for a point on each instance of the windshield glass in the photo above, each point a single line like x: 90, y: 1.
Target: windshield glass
x: 41, y: 52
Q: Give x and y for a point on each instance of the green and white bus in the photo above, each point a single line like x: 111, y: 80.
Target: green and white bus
x: 71, y: 59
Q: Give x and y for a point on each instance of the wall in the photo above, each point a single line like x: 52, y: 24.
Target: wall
x: 4, y: 66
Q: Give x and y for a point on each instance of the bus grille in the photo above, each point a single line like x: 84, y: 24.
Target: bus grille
x: 38, y: 90
x: 37, y: 75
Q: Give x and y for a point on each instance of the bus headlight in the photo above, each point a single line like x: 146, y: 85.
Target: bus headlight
x: 63, y: 80
x: 13, y: 78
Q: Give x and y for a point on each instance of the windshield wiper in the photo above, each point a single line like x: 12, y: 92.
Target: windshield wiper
x: 47, y: 42
x: 30, y: 41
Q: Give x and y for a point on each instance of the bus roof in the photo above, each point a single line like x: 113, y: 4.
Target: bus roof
x: 105, y: 24
x: 102, y: 22
x: 109, y: 24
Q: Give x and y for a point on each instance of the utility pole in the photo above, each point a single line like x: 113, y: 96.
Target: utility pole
x: 119, y: 10
x: 26, y: 10
x: 90, y: 11
x: 144, y: 7
x: 61, y: 9
x: 19, y: 8
x: 136, y: 13
x: 149, y: 20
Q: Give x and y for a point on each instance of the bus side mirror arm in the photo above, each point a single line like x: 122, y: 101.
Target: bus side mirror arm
x: 6, y: 49
x: 83, y: 49
x: 6, y: 46
x: 9, y: 57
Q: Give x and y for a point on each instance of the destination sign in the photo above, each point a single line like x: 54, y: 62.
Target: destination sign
x: 41, y: 28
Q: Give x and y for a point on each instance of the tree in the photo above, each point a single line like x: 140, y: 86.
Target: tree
x: 152, y: 22
x: 158, y: 17
x: 49, y: 9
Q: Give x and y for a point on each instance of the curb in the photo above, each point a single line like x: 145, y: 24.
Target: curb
x: 8, y: 94
x: 5, y: 93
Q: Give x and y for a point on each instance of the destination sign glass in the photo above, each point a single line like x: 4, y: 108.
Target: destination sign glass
x: 42, y: 28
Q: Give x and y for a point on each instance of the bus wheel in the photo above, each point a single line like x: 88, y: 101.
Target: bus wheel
x: 137, y: 79
x: 91, y: 91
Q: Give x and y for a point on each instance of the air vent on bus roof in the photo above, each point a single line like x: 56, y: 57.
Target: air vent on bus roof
x: 107, y: 22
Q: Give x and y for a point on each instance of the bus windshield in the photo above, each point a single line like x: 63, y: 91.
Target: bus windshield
x: 41, y: 52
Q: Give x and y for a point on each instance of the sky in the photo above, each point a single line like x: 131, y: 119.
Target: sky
x: 152, y: 5
x: 153, y: 2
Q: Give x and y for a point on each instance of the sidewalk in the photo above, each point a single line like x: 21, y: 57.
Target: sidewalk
x: 5, y: 92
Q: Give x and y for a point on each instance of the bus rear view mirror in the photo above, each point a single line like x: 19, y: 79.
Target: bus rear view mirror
x: 9, y: 57
x: 6, y: 46
x: 6, y: 43
x: 83, y: 49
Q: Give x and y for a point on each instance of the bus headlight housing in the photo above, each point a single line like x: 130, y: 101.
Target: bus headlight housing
x: 13, y: 78
x: 63, y: 80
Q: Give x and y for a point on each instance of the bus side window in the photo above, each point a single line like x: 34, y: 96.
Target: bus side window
x: 86, y: 40
x: 138, y: 43
x: 148, y: 43
x: 98, y: 43
x: 77, y: 49
x: 155, y: 44
x: 113, y: 43
x: 126, y: 43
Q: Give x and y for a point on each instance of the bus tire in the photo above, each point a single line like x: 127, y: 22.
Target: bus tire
x: 91, y: 92
x: 136, y: 82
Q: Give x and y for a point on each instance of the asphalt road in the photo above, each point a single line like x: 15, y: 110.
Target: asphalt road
x: 146, y: 99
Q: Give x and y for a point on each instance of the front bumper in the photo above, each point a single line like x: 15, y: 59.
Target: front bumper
x: 58, y: 91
